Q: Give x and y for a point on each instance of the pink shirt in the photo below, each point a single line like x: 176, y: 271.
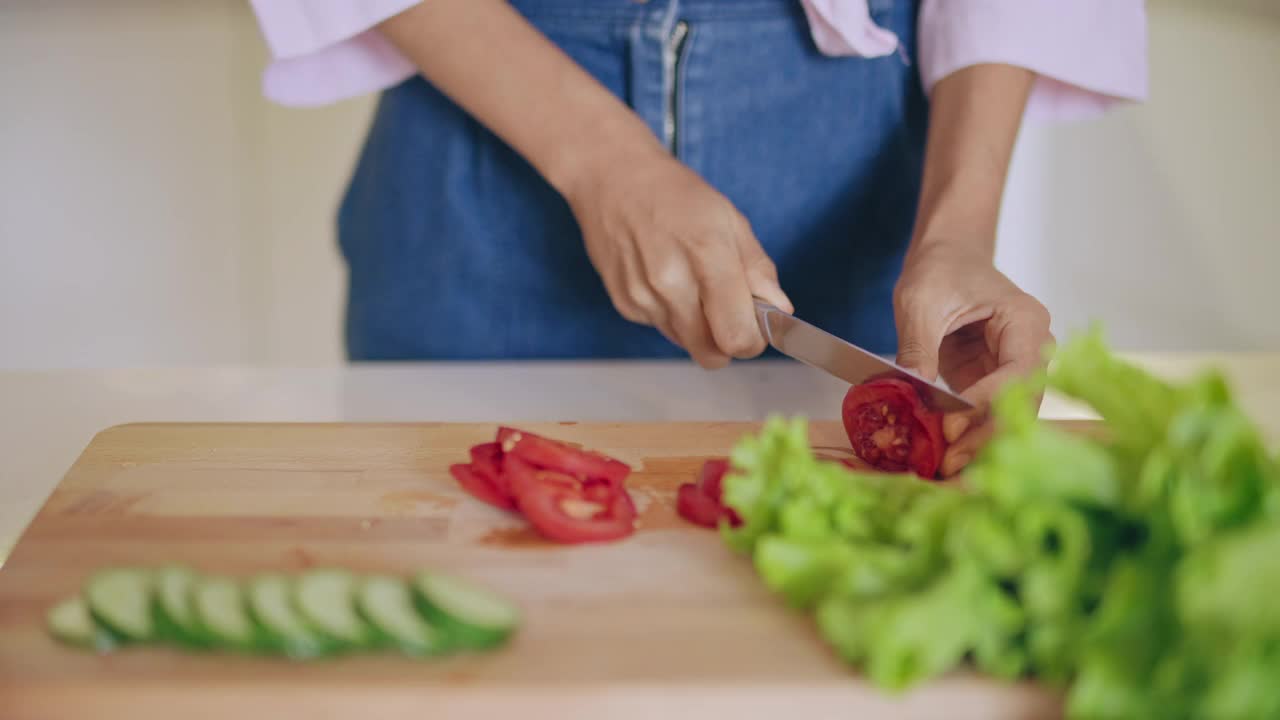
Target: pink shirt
x: 1088, y: 54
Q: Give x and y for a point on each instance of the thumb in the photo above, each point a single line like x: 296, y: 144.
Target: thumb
x: 920, y: 333
x: 762, y: 274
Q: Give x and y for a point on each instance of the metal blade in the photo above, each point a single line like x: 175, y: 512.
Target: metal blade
x: 820, y: 349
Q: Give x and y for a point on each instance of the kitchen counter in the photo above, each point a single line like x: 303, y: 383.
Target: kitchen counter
x: 47, y: 418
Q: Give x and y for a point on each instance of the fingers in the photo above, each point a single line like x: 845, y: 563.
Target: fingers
x: 761, y: 273
x: 629, y: 290
x: 703, y: 284
x: 677, y: 291
x: 961, y: 453
x: 1017, y: 335
x: 689, y: 270
x: 728, y: 308
x: 728, y: 273
x: 954, y: 425
x: 921, y: 326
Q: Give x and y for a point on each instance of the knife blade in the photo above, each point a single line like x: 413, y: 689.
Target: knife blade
x: 820, y: 349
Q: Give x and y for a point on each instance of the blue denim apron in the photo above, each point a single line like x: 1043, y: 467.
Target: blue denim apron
x: 457, y: 249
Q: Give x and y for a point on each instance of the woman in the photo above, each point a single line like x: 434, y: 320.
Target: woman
x: 618, y: 178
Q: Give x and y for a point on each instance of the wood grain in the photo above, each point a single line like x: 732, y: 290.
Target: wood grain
x: 666, y: 623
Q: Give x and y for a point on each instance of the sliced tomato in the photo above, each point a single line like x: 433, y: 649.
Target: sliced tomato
x: 554, y: 455
x: 711, y: 478
x: 703, y: 503
x: 567, y: 494
x: 561, y: 514
x: 480, y: 487
x: 926, y: 457
x: 522, y: 476
x: 891, y: 429
x: 696, y: 506
x: 711, y: 482
x: 486, y: 459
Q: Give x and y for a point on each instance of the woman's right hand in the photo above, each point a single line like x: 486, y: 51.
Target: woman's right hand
x: 677, y: 255
x: 673, y: 252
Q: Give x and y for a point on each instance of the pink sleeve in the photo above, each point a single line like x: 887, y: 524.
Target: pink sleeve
x: 844, y: 27
x: 1089, y: 54
x: 326, y: 50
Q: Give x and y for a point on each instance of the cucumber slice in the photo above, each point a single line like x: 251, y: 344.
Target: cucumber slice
x: 386, y: 603
x: 326, y: 600
x: 120, y: 599
x: 220, y: 612
x: 271, y: 606
x: 473, y: 616
x: 70, y: 622
x: 174, y: 616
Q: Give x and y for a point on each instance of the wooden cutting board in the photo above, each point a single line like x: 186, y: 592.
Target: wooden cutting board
x: 668, y: 623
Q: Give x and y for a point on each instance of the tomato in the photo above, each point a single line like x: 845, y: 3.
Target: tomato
x: 480, y: 487
x: 891, y: 429
x: 703, y: 503
x: 565, y: 515
x: 553, y: 455
x: 697, y: 507
x: 567, y: 494
x: 711, y: 478
x: 522, y: 476
x: 486, y: 461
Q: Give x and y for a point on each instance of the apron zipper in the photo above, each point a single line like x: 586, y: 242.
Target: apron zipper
x: 671, y: 59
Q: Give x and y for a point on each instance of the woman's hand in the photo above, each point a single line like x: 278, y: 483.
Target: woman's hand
x: 956, y: 314
x: 675, y: 254
x: 960, y: 318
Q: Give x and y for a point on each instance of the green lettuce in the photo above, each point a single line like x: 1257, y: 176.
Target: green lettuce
x: 1136, y: 568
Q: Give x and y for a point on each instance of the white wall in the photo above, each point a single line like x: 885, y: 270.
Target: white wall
x: 1163, y: 220
x: 154, y: 210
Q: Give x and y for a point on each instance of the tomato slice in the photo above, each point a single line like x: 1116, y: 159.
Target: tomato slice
x: 711, y: 478
x: 703, y: 503
x: 522, y: 476
x: 891, y: 429
x: 480, y: 487
x: 697, y: 506
x: 567, y: 494
x: 486, y: 461
x: 561, y: 514
x: 553, y: 455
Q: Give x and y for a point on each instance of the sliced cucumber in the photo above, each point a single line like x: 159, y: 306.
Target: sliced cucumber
x: 326, y: 600
x: 271, y: 606
x: 220, y: 612
x: 386, y: 603
x: 305, y: 616
x: 70, y: 622
x: 174, y: 616
x: 120, y: 599
x: 471, y: 615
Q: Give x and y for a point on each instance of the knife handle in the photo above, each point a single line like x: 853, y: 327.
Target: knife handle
x: 763, y: 308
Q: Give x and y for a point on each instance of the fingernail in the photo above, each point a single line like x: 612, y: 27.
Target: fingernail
x: 955, y: 463
x: 954, y: 426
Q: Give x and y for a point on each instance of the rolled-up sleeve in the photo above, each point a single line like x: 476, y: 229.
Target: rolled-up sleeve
x: 326, y: 50
x: 1088, y: 54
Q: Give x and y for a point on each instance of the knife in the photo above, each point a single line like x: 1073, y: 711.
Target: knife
x: 818, y: 348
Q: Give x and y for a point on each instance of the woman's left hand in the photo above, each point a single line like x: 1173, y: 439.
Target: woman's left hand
x: 959, y: 317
